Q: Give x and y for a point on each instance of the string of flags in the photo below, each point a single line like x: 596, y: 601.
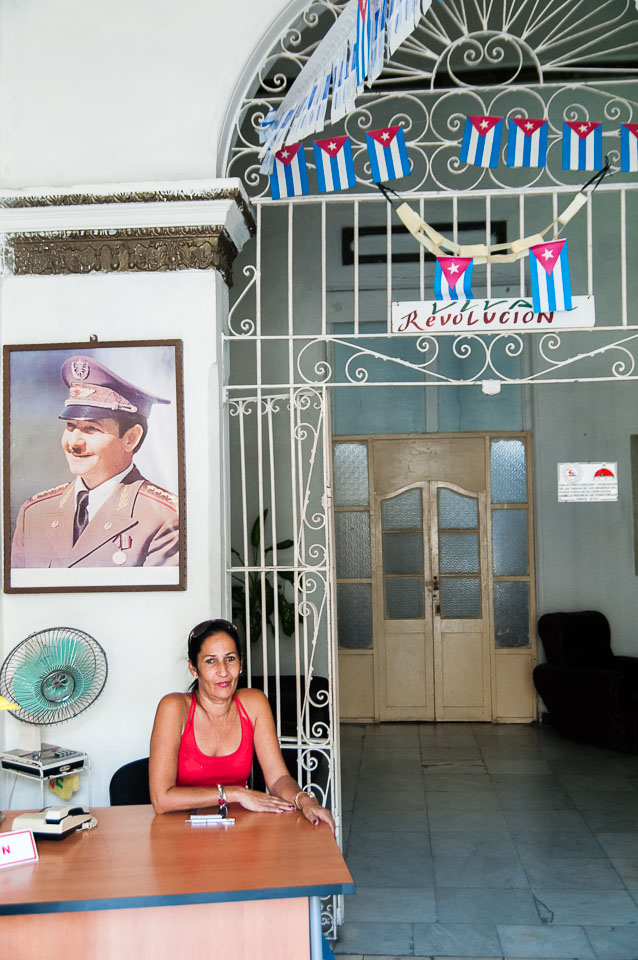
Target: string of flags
x: 350, y: 55
x: 481, y: 146
x: 334, y: 163
x: 549, y: 272
x: 527, y: 143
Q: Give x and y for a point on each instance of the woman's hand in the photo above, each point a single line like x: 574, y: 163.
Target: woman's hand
x: 315, y: 813
x: 257, y: 801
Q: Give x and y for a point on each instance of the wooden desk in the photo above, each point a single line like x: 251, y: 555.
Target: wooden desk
x: 155, y: 887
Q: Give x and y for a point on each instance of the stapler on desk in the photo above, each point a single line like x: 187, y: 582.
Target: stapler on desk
x: 54, y: 822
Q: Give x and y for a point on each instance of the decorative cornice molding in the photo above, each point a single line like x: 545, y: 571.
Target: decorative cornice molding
x: 149, y: 249
x: 19, y: 201
x: 189, y: 225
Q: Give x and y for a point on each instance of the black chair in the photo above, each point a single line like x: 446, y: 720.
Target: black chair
x: 129, y: 784
x: 590, y: 694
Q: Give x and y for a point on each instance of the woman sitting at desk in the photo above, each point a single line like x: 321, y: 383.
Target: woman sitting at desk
x: 202, y: 742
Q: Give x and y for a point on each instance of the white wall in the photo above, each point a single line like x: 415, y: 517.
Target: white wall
x: 120, y: 91
x: 143, y: 634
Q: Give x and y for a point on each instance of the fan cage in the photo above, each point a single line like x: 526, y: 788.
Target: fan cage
x: 55, y: 657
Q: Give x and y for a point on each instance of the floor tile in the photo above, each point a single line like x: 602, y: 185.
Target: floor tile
x: 469, y: 905
x: 389, y: 844
x: 457, y: 781
x: 573, y: 874
x: 375, y: 938
x: 479, y: 872
x: 414, y: 905
x: 473, y: 844
x: 396, y: 818
x: 619, y: 844
x: 457, y: 939
x: 457, y: 800
x: 585, y: 907
x: 545, y: 941
x: 611, y: 821
x: 614, y: 943
x: 453, y: 820
x: 439, y: 751
x: 545, y: 820
x: 628, y: 871
x: 369, y: 871
x: 534, y: 846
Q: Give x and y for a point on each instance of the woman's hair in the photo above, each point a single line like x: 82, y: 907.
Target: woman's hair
x: 206, y: 629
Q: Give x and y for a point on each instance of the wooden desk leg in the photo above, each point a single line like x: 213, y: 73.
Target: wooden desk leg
x: 316, y: 945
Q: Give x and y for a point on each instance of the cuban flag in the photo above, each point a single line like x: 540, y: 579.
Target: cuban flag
x: 629, y: 147
x: 363, y: 40
x: 582, y: 145
x: 481, y: 141
x: 290, y: 175
x: 549, y: 269
x: 388, y: 154
x: 527, y: 142
x: 335, y: 166
x: 453, y: 278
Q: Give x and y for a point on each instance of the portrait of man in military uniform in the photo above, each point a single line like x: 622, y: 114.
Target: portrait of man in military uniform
x: 108, y: 514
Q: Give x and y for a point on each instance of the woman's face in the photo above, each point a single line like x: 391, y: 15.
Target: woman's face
x: 218, y: 666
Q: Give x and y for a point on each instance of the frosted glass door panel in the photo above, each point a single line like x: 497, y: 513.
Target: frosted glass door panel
x: 457, y: 512
x: 508, y: 472
x: 351, y: 474
x: 352, y: 542
x: 354, y: 612
x: 402, y: 512
x: 404, y: 598
x: 509, y: 543
x: 458, y: 553
x: 511, y: 614
x: 460, y: 598
x: 402, y: 553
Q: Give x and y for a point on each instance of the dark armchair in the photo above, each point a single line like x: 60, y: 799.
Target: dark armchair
x: 590, y: 694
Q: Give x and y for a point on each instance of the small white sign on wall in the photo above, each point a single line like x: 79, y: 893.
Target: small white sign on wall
x: 587, y: 482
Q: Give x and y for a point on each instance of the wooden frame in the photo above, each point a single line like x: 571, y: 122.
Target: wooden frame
x: 148, y: 551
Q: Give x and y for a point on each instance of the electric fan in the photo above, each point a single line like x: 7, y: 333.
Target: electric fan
x: 52, y: 676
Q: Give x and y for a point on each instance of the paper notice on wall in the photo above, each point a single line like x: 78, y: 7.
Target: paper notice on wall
x: 587, y: 482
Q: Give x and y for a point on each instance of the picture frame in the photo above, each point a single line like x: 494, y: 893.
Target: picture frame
x: 133, y: 535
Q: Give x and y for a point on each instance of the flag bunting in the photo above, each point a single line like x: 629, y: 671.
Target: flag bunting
x: 527, y: 142
x: 582, y: 145
x: 334, y: 163
x: 290, y: 174
x: 453, y: 278
x: 388, y: 154
x: 549, y: 270
x: 629, y: 147
x: 482, y: 140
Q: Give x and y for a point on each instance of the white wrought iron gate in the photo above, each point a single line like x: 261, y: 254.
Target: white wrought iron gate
x: 309, y: 328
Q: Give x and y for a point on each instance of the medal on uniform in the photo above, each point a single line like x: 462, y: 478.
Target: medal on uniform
x: 124, y: 542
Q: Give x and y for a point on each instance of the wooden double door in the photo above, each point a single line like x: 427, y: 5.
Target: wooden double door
x: 432, y: 636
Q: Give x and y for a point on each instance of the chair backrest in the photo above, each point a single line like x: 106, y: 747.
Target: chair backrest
x: 129, y: 784
x: 579, y: 639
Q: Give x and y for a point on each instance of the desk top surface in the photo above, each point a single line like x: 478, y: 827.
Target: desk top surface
x: 135, y: 858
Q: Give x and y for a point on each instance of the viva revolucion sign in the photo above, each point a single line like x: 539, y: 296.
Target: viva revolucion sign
x: 487, y: 316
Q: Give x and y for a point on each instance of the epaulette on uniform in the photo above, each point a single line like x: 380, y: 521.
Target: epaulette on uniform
x: 160, y: 495
x: 47, y: 494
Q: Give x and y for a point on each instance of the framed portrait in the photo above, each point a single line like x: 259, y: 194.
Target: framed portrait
x: 94, y: 490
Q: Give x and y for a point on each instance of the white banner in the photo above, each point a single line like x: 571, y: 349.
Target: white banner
x: 487, y: 316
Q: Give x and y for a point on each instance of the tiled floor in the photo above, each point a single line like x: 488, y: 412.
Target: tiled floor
x: 481, y: 840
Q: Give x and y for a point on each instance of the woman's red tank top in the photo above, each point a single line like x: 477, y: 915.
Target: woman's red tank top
x: 197, y: 769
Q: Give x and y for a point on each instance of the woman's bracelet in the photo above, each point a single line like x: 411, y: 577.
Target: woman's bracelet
x: 303, y: 793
